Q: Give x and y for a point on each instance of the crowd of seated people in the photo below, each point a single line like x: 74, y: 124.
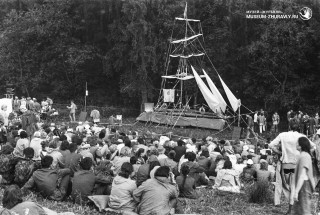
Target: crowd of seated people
x: 87, y: 160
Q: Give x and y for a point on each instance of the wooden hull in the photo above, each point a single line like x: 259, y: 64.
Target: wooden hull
x: 185, y: 120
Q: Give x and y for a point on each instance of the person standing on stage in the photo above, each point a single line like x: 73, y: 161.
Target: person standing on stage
x: 72, y: 108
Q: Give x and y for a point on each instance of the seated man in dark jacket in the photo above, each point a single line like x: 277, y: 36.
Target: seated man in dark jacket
x: 7, y: 164
x: 249, y: 174
x: 84, y: 181
x: 51, y: 183
x: 196, y: 171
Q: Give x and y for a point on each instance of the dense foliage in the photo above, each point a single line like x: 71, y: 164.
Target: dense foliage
x: 52, y: 47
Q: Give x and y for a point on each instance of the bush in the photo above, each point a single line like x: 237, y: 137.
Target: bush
x: 260, y: 192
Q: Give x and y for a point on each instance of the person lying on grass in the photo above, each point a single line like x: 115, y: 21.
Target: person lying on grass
x: 14, y: 205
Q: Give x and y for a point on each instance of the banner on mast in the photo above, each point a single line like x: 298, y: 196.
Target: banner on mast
x: 168, y: 95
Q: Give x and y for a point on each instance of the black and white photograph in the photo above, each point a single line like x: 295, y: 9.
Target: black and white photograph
x: 159, y: 107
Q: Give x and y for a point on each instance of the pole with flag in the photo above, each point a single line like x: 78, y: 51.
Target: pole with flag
x: 185, y: 11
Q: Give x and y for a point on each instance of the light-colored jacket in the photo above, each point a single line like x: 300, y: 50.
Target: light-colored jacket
x: 36, y: 145
x: 154, y: 196
x: 121, y: 194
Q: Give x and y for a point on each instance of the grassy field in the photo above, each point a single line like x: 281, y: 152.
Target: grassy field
x: 209, y: 202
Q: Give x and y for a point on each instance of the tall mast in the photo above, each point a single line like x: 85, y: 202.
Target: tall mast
x: 183, y: 63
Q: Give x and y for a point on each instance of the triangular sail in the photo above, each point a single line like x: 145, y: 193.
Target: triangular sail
x: 235, y: 103
x: 215, y: 92
x: 211, y: 100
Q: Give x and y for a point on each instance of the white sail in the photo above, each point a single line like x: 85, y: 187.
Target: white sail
x: 235, y: 103
x: 188, y: 20
x: 186, y: 56
x: 186, y: 39
x: 211, y: 100
x: 215, y: 92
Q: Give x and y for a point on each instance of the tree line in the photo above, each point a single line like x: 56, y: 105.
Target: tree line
x: 53, y: 47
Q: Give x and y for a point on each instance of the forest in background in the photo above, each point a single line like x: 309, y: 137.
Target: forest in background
x: 119, y: 47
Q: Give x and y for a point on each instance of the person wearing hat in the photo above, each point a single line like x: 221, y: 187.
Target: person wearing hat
x: 249, y: 174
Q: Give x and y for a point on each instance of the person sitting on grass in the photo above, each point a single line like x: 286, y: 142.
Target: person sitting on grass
x: 228, y: 179
x: 22, y: 143
x: 54, y: 152
x: 196, y: 171
x: 25, y: 167
x: 122, y: 190
x: 72, y: 160
x: 186, y: 184
x: 143, y: 172
x: 169, y: 161
x: 84, y: 181
x: 249, y: 174
x: 50, y: 182
x: 263, y: 174
x: 13, y: 204
x: 7, y: 164
x: 157, y: 195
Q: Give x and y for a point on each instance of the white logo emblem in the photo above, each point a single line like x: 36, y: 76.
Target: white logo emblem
x: 305, y: 13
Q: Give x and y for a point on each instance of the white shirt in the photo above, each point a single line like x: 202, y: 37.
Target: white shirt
x: 255, y: 117
x: 211, y: 147
x: 289, y: 142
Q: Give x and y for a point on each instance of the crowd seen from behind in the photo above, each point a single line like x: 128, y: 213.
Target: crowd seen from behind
x: 139, y: 173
